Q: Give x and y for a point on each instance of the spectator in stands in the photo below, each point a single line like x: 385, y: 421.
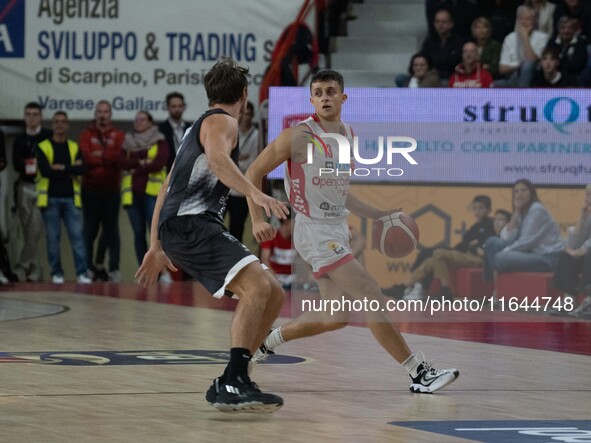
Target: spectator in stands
x: 521, y: 50
x: 463, y: 13
x: 549, y: 75
x: 24, y: 162
x: 489, y: 50
x: 420, y: 74
x: 466, y: 254
x: 571, y: 47
x: 502, y: 217
x: 530, y: 242
x: 174, y: 126
x: 544, y: 15
x: 58, y: 195
x: 573, y: 272
x: 501, y: 14
x: 445, y: 48
x: 470, y: 73
x: 143, y: 160
x: 101, y: 145
x: 248, y: 142
x: 577, y: 9
x: 279, y: 254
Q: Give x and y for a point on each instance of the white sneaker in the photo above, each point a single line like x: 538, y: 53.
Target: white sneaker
x: 582, y: 308
x: 416, y: 293
x: 429, y: 379
x: 115, y: 276
x: 83, y: 280
x: 3, y: 279
x: 165, y: 277
x: 57, y: 279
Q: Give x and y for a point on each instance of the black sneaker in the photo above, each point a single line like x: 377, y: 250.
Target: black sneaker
x: 213, y: 390
x: 244, y: 395
x: 429, y: 380
x: 101, y: 275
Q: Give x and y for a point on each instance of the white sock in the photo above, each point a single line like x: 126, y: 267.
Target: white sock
x: 274, y: 338
x: 411, y: 364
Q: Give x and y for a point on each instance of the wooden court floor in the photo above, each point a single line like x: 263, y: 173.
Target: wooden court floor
x: 114, y: 363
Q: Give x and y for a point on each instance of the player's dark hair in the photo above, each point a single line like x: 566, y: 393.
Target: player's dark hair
x: 483, y: 199
x: 225, y: 82
x: 327, y: 75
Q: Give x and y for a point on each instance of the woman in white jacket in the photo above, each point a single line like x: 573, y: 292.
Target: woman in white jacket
x: 530, y: 242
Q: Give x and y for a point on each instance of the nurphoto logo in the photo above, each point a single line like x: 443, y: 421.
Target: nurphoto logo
x: 393, y: 145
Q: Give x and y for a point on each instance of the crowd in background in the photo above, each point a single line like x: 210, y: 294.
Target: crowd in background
x: 503, y: 43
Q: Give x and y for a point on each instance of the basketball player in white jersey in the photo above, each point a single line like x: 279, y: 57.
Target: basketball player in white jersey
x: 321, y: 235
x: 188, y: 230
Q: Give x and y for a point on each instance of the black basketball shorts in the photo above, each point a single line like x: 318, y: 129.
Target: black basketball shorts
x: 205, y: 250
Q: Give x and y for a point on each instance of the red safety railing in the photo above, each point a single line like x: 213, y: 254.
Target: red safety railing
x: 273, y: 75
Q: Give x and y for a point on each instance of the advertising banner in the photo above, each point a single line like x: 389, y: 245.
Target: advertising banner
x: 463, y: 136
x: 68, y: 54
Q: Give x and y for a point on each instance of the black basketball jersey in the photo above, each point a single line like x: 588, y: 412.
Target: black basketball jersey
x: 193, y: 188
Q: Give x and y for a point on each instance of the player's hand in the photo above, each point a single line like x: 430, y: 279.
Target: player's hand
x: 263, y: 231
x: 154, y: 262
x: 270, y: 205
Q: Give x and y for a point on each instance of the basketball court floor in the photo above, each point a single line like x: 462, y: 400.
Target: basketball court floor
x: 117, y: 363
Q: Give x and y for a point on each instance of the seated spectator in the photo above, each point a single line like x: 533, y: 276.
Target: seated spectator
x: 577, y: 9
x: 550, y: 76
x: 571, y: 47
x: 573, y: 272
x: 544, y: 15
x: 420, y: 74
x: 530, y: 242
x: 466, y: 254
x: 521, y: 50
x: 470, y: 73
x: 501, y: 14
x: 445, y: 48
x: 58, y: 197
x: 502, y: 217
x: 489, y: 50
x: 143, y: 161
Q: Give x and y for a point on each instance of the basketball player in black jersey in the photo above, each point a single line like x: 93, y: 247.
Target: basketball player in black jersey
x: 187, y: 230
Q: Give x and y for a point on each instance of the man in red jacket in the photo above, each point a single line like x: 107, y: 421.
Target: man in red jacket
x: 470, y: 73
x: 101, y: 145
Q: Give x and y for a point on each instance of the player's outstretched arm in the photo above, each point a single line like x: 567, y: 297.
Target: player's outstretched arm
x: 155, y: 260
x: 361, y: 209
x: 277, y: 152
x: 218, y: 137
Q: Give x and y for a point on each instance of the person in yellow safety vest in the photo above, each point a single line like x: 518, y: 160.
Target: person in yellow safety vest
x: 143, y: 161
x: 58, y: 197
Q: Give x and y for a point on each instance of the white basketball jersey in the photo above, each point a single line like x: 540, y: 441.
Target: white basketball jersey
x: 313, y: 192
